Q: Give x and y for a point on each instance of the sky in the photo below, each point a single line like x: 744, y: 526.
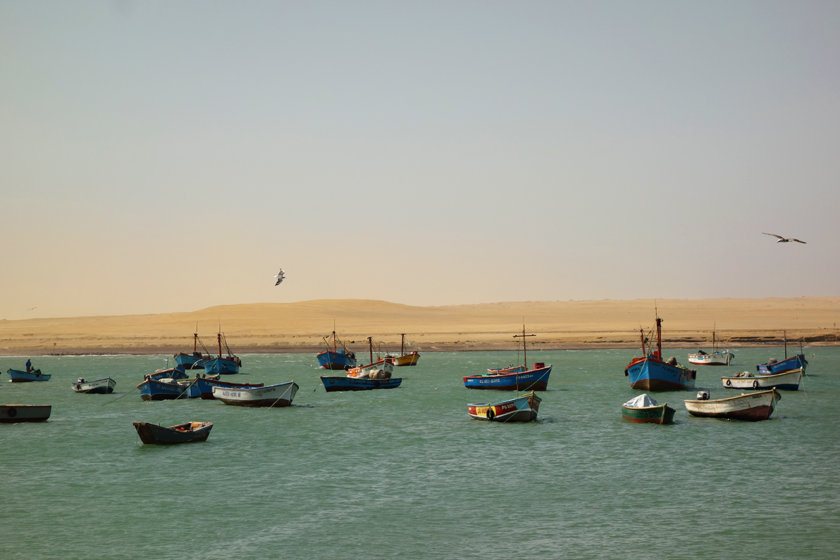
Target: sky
x: 166, y: 156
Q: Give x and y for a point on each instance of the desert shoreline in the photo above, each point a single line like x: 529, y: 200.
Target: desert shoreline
x: 303, y: 327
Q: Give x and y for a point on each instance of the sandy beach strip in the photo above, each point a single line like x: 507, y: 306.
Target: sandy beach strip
x: 302, y: 326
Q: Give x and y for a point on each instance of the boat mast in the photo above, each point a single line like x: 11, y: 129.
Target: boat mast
x: 784, y: 335
x: 524, y: 351
x: 658, y: 338
x: 219, y: 337
x: 402, y: 344
x: 370, y: 348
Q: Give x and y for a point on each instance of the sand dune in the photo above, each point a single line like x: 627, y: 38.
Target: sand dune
x: 301, y: 326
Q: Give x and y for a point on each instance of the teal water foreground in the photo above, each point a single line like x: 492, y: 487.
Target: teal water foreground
x: 404, y: 473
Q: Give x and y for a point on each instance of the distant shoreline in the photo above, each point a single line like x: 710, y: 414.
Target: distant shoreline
x: 303, y: 327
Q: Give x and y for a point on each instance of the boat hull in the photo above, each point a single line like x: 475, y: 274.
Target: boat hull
x: 532, y: 380
x: 338, y: 360
x: 358, y: 383
x: 785, y: 381
x: 794, y: 362
x: 13, y: 413
x: 98, y: 386
x: 659, y: 414
x: 204, y: 386
x: 221, y: 366
x: 519, y: 409
x: 410, y: 359
x: 278, y: 395
x: 154, y: 390
x: 719, y: 358
x: 747, y: 406
x: 190, y: 361
x: 190, y: 432
x: 18, y: 376
x: 649, y: 374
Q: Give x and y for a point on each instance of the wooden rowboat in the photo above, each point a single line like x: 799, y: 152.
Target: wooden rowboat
x: 182, y: 433
x: 643, y: 409
x: 105, y: 385
x: 10, y: 413
x: 19, y: 376
x: 746, y: 406
x: 523, y: 408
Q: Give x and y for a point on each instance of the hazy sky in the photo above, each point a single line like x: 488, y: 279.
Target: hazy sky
x: 167, y: 156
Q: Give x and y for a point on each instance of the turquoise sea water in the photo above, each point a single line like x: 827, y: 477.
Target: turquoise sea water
x: 404, y: 473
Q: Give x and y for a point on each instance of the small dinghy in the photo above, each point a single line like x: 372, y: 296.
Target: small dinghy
x: 181, y: 433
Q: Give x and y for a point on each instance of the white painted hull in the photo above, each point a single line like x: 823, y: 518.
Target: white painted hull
x: 786, y: 380
x: 98, y: 386
x: 272, y: 395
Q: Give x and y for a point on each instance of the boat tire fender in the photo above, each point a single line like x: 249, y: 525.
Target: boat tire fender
x: 755, y: 384
x: 729, y: 383
x: 490, y: 413
x: 11, y: 412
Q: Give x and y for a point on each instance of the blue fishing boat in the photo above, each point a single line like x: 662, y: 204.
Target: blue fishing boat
x: 788, y: 364
x: 155, y: 390
x: 167, y: 374
x: 18, y: 376
x: 513, y: 378
x: 651, y: 373
x: 225, y: 366
x: 358, y: 383
x: 195, y: 360
x: 335, y: 357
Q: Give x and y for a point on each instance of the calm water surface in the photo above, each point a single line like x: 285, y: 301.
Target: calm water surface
x: 405, y: 473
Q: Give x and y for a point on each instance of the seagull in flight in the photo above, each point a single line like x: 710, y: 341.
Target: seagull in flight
x: 783, y: 239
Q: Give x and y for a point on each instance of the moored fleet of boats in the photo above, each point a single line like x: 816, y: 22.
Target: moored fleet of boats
x: 649, y: 372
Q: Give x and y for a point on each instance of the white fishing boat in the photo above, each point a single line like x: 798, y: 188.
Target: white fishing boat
x: 786, y: 380
x: 746, y: 406
x: 104, y: 385
x: 714, y: 358
x: 271, y: 395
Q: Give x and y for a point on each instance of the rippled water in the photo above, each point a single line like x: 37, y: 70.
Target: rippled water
x: 405, y: 473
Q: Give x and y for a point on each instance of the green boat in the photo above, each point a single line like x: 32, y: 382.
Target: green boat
x: 643, y: 409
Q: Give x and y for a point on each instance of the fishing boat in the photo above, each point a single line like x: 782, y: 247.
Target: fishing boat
x: 204, y: 385
x: 335, y: 357
x: 167, y: 374
x: 228, y: 365
x: 746, y: 406
x: 714, y: 358
x: 645, y: 410
x: 196, y: 360
x: 513, y: 378
x: 11, y: 413
x: 787, y: 364
x: 269, y: 395
x: 651, y: 373
x: 160, y: 390
x: 523, y: 408
x: 358, y: 383
x: 376, y: 369
x: 786, y: 380
x: 19, y: 376
x: 404, y: 359
x: 188, y: 432
x: 102, y: 386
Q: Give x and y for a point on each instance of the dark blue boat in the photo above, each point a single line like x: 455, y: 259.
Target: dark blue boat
x: 651, y: 373
x: 335, y: 357
x: 18, y: 376
x: 358, y: 383
x: 191, y: 361
x: 794, y: 362
x: 535, y: 379
x: 173, y: 374
x: 154, y: 390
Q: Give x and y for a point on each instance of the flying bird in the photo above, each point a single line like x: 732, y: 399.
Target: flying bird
x: 280, y: 276
x: 784, y: 239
